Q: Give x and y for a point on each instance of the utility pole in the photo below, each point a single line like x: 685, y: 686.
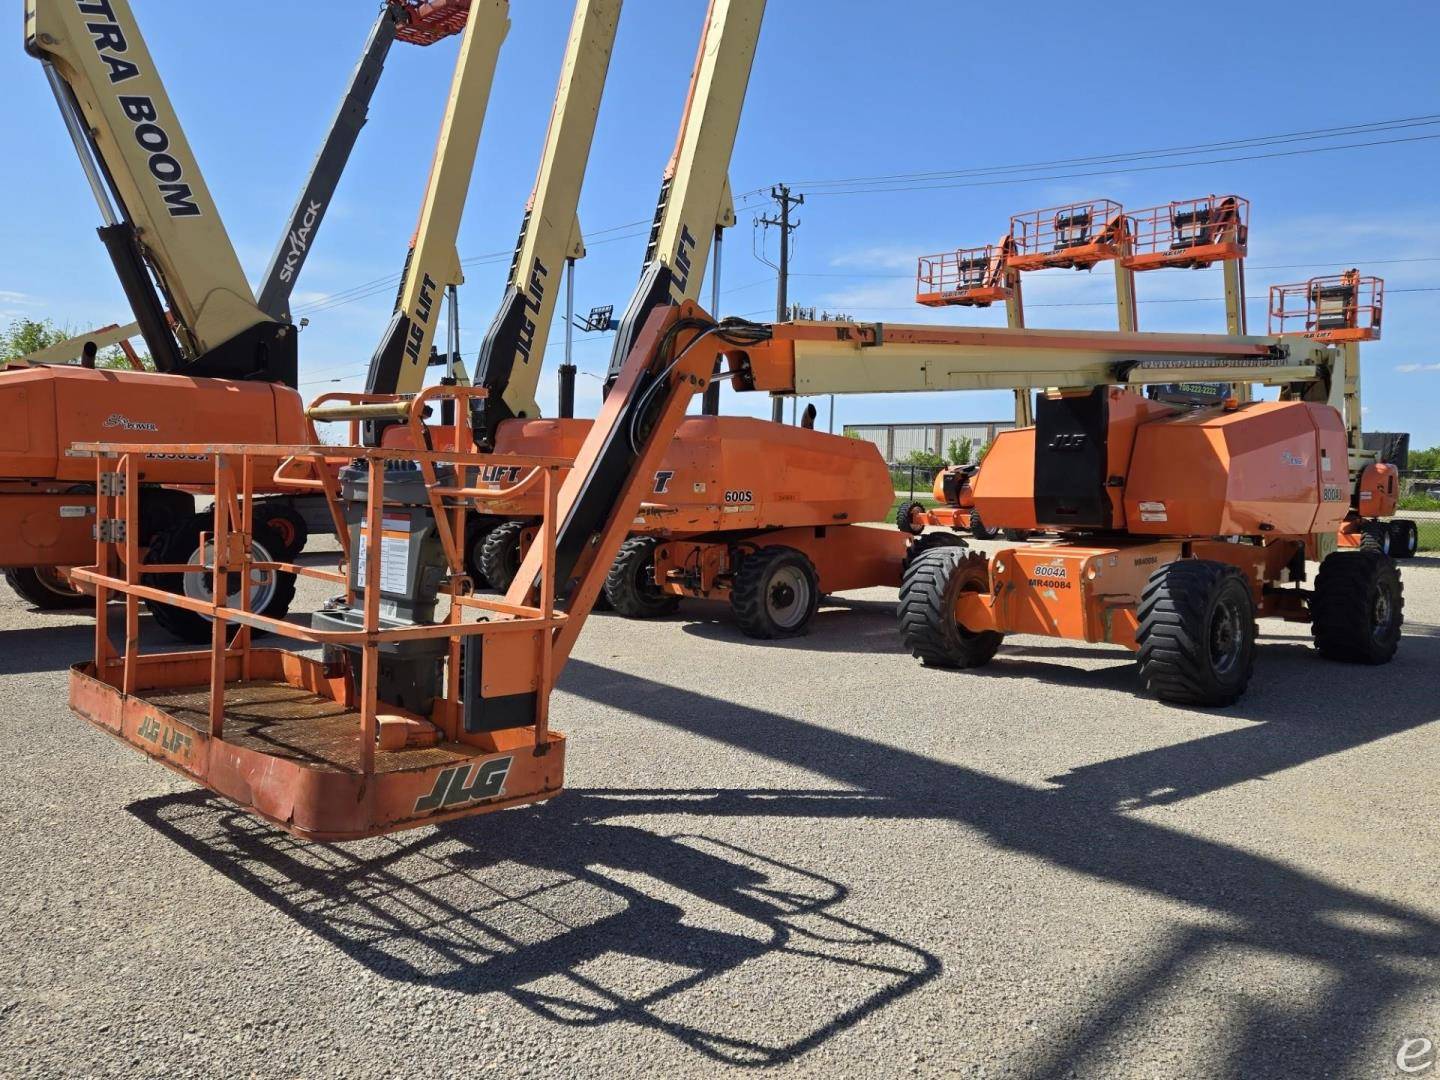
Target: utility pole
x: 781, y: 194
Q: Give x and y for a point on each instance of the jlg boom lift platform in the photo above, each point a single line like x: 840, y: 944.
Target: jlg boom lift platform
x: 226, y: 362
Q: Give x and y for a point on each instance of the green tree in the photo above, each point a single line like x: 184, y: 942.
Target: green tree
x: 924, y: 459
x: 24, y: 336
x: 959, y: 450
x: 1425, y: 461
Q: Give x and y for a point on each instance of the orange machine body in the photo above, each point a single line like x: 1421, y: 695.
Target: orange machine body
x: 1175, y: 484
x: 728, y: 480
x: 47, y: 505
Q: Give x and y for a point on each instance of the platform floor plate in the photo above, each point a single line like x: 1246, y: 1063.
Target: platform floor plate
x: 284, y: 721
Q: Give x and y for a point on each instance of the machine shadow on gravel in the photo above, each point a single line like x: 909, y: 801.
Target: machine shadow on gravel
x: 581, y: 922
x: 1371, y: 949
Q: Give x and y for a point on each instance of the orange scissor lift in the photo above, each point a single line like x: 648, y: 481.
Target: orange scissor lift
x: 1185, y: 234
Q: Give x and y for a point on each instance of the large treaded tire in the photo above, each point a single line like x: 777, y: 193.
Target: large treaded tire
x: 933, y: 583
x: 47, y: 588
x: 1197, y: 635
x: 930, y: 541
x: 180, y: 545
x: 1358, y: 609
x: 979, y: 529
x: 500, y: 555
x: 905, y: 518
x: 477, y: 530
x: 630, y: 585
x: 1404, y: 539
x: 775, y: 594
x: 285, y: 522
x: 1376, y: 538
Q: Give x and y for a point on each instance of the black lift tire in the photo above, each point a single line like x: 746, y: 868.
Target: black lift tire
x: 1404, y: 539
x: 933, y: 583
x: 775, y: 594
x: 930, y: 541
x: 630, y: 586
x: 500, y: 554
x: 1358, y: 609
x: 1016, y: 536
x: 979, y: 529
x: 285, y: 522
x: 181, y: 544
x: 47, y: 588
x: 905, y: 518
x: 477, y: 531
x: 1197, y: 634
x: 1376, y: 538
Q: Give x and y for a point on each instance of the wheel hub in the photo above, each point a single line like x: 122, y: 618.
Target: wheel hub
x: 263, y: 583
x: 788, y: 599
x: 1226, y: 638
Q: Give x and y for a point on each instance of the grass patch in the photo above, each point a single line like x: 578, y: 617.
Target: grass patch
x: 1429, y: 535
x: 1419, y: 502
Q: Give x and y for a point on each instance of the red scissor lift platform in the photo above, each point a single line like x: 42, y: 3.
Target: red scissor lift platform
x: 970, y: 277
x: 1340, y: 308
x: 1190, y: 234
x: 1076, y: 236
x: 304, y: 741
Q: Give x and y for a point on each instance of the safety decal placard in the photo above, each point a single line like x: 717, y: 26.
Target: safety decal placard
x: 394, y: 553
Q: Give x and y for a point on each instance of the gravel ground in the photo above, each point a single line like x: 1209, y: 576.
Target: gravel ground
x: 811, y: 858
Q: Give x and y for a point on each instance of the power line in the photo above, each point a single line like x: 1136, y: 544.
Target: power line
x: 1122, y: 172
x: 1167, y: 151
x: 1265, y: 266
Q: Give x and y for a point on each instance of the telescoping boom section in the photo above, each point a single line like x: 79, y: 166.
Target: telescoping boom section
x: 161, y: 226
x: 428, y: 703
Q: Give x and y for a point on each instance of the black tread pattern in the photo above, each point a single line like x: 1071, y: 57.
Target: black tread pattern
x: 933, y: 581
x: 930, y: 541
x: 623, y: 589
x: 978, y: 527
x: 1340, y: 609
x: 284, y: 520
x: 1376, y: 538
x: 747, y: 592
x: 905, y: 518
x: 500, y: 554
x: 31, y: 585
x: 1174, y: 654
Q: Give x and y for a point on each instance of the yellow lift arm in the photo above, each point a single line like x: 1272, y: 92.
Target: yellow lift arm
x: 162, y: 228
x: 432, y: 267
x: 514, y: 348
x: 695, y: 197
x: 814, y: 357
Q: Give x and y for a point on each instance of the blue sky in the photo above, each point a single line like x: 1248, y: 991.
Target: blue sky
x: 843, y: 88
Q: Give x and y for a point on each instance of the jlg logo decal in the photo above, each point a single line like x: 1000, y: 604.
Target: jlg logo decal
x: 466, y: 784
x: 534, y: 297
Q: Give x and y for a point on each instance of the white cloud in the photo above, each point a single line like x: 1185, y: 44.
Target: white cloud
x: 8, y: 297
x: 883, y: 257
x: 1411, y: 368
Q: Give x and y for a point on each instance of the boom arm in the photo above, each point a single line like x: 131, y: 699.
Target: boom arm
x: 433, y: 264
x: 514, y: 346
x: 806, y: 358
x: 309, y: 212
x: 695, y: 192
x: 162, y: 228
